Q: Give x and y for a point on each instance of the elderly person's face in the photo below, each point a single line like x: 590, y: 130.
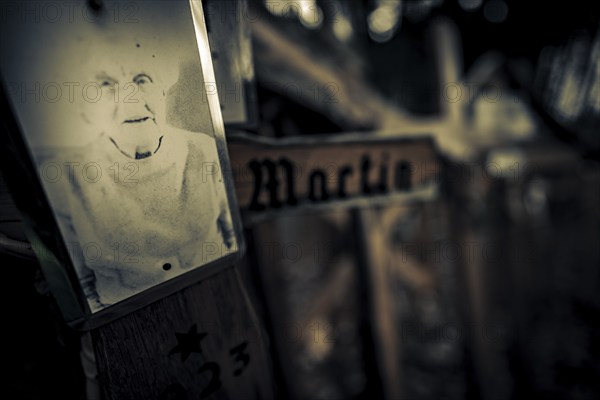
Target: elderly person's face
x: 131, y: 108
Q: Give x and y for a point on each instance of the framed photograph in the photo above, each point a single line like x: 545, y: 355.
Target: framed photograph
x: 114, y: 149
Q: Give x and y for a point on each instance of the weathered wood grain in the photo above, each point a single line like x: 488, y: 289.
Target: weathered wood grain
x: 137, y: 360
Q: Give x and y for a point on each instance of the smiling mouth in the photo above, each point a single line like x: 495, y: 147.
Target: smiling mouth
x: 136, y: 120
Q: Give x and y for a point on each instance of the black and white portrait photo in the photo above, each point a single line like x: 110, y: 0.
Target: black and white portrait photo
x: 123, y: 134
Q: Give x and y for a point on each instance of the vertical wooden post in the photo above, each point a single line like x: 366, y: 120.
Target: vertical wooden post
x: 373, y: 228
x: 202, y: 342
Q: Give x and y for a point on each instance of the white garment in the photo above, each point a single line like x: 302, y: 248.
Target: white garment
x: 137, y: 223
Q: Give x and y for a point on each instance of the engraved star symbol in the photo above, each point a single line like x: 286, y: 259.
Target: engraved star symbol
x: 188, y: 343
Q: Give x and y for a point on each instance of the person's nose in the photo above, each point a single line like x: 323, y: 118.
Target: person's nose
x: 144, y: 100
x: 133, y: 107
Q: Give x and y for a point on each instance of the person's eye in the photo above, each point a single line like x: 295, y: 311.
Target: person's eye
x: 107, y: 83
x: 142, y: 80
